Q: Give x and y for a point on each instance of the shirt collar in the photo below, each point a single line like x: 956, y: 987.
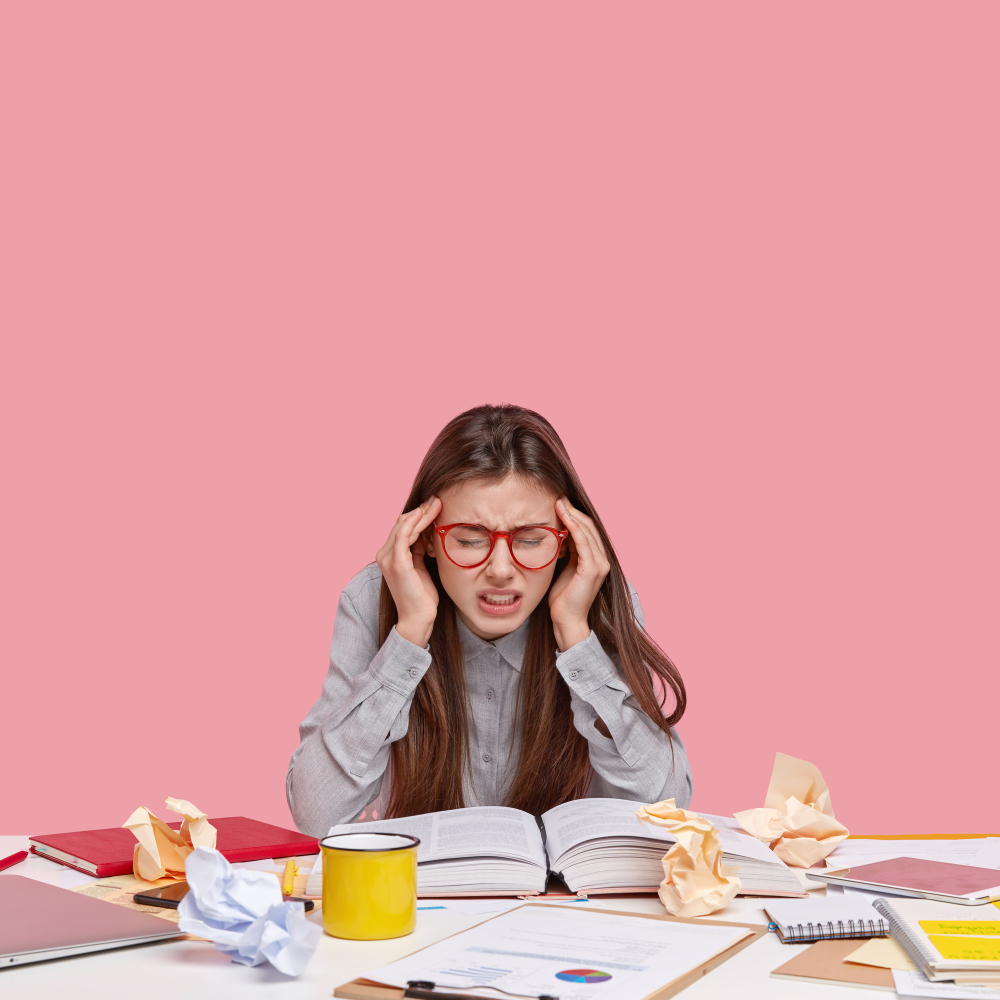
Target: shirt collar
x: 511, y: 646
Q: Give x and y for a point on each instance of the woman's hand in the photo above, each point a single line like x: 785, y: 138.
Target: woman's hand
x: 401, y: 560
x: 572, y: 594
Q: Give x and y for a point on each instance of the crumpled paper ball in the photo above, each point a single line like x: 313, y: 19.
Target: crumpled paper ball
x: 797, y: 817
x: 161, y: 850
x: 242, y: 911
x: 695, y: 880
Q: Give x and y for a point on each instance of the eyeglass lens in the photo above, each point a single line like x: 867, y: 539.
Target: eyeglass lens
x: 532, y: 547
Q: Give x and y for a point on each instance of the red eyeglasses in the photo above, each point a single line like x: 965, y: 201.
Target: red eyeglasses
x: 470, y: 545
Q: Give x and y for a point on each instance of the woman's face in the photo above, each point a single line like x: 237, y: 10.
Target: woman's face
x: 496, y: 597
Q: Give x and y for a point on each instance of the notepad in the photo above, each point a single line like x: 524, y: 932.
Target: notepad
x: 825, y: 962
x: 800, y: 921
x: 944, y: 955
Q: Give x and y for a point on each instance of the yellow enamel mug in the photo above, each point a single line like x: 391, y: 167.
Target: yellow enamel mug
x: 369, y: 885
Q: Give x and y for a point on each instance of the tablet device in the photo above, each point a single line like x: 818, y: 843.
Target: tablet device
x: 918, y: 877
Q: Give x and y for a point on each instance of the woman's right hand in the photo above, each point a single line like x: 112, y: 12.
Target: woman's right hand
x: 401, y: 560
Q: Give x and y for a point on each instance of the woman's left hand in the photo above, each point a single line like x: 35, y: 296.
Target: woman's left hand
x: 573, y: 593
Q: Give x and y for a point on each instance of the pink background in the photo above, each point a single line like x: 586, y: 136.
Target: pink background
x: 743, y: 256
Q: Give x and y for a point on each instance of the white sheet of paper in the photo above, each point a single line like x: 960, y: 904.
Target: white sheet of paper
x: 69, y: 878
x: 524, y: 951
x: 472, y: 907
x: 916, y: 984
x: 476, y: 906
x: 981, y: 852
x: 275, y: 866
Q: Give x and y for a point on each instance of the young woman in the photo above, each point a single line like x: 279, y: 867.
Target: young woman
x: 494, y: 654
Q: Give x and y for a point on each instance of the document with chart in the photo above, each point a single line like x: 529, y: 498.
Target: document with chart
x: 536, y: 951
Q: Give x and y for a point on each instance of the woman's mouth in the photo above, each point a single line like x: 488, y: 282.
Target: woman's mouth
x: 499, y: 602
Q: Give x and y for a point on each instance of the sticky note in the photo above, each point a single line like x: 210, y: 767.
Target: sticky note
x: 967, y: 949
x: 977, y: 927
x: 884, y: 953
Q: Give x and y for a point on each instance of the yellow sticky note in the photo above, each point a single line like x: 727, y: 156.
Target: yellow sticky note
x: 973, y: 927
x: 884, y: 953
x: 967, y: 949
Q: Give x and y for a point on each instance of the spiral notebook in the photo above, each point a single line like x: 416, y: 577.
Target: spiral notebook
x: 801, y: 921
x: 946, y: 941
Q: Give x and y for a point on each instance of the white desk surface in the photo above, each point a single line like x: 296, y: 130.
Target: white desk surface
x: 190, y: 970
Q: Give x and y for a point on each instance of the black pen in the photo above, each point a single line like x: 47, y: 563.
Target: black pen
x: 424, y: 989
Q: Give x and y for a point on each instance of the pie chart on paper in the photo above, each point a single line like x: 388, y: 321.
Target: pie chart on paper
x: 583, y: 976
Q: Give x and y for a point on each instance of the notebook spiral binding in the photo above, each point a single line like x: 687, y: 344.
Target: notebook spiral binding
x: 835, y: 930
x: 917, y: 950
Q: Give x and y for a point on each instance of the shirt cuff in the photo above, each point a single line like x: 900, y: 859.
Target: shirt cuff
x: 586, y: 667
x: 400, y: 664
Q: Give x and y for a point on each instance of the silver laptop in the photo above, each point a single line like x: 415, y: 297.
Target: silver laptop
x: 40, y: 921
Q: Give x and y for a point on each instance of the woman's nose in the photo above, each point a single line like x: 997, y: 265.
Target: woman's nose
x: 500, y: 565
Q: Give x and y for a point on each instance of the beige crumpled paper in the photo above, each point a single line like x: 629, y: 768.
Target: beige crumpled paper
x: 797, y: 816
x: 696, y: 882
x: 161, y: 850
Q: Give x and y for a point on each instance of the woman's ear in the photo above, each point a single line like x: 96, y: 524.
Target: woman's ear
x: 428, y: 540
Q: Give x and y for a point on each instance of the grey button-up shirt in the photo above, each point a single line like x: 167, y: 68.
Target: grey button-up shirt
x: 340, y: 768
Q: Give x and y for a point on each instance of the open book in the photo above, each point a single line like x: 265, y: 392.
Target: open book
x: 593, y: 845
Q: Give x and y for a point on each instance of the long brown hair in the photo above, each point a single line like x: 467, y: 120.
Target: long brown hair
x: 489, y: 443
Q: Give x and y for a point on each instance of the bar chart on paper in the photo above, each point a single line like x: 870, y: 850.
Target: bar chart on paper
x: 471, y: 975
x: 559, y: 951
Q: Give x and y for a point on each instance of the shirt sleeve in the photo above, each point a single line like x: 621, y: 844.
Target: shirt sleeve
x: 364, y: 708
x: 639, y: 761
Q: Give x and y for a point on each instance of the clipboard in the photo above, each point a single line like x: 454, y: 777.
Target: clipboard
x: 365, y: 989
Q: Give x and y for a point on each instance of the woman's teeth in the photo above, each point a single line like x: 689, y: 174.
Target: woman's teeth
x: 497, y: 599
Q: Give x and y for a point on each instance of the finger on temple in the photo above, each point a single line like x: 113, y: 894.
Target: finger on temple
x: 595, y: 537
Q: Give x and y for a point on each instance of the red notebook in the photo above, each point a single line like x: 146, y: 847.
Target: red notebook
x: 109, y: 852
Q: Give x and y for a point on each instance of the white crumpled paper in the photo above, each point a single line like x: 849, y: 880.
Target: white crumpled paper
x: 243, y: 913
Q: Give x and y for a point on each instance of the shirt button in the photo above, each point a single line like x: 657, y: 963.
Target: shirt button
x: 573, y: 674
x: 489, y: 695
x: 414, y: 672
x: 487, y: 757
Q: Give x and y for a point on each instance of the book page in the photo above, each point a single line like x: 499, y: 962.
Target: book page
x: 741, y: 844
x: 575, y: 822
x: 559, y: 951
x: 479, y: 831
